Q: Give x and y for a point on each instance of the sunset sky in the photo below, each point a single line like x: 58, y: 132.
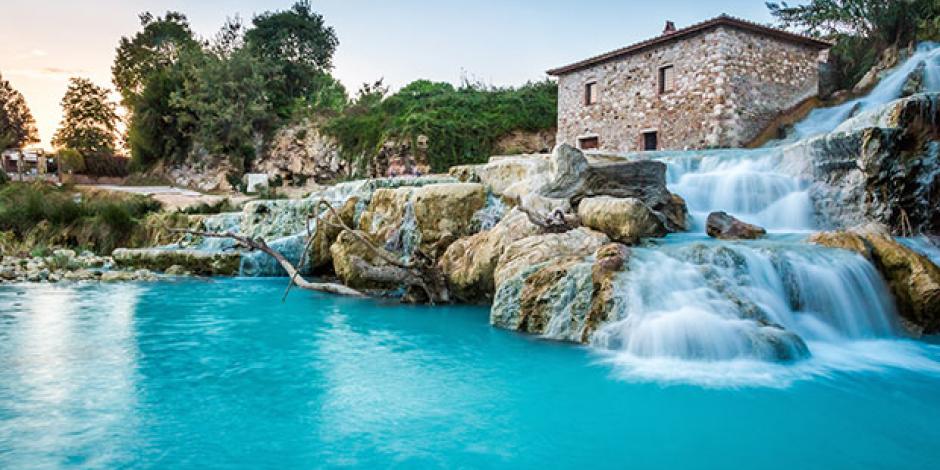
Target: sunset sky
x: 502, y: 42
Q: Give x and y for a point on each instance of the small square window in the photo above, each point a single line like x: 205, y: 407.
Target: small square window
x: 588, y: 143
x: 667, y: 79
x: 590, y: 93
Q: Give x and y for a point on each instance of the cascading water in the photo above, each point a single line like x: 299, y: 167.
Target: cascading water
x: 748, y: 184
x: 824, y: 120
x: 687, y: 304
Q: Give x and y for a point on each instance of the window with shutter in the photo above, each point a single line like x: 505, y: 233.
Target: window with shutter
x: 667, y: 79
x: 590, y: 93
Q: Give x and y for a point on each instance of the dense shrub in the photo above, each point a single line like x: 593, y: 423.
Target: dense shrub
x: 462, y: 123
x: 47, y: 215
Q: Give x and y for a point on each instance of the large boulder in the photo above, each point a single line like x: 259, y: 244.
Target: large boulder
x: 386, y: 212
x: 573, y: 178
x: 625, y: 220
x: 565, y: 298
x: 444, y: 212
x: 327, y: 232
x: 913, y: 279
x: 351, y: 258
x: 727, y: 227
x: 207, y: 263
x: 533, y: 250
x: 880, y: 166
x: 508, y: 177
x: 470, y: 262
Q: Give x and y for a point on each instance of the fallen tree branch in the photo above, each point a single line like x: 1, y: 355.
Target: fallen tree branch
x: 421, y: 272
x: 260, y: 245
x: 555, y: 222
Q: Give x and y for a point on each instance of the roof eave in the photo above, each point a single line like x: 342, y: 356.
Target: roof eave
x: 723, y: 20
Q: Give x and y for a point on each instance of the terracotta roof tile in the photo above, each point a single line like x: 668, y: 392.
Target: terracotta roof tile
x: 723, y: 20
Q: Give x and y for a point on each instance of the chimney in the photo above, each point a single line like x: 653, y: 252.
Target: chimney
x: 670, y: 28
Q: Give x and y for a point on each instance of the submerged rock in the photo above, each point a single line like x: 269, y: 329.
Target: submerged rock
x: 199, y: 262
x: 726, y: 227
x: 624, y: 220
x: 913, y: 279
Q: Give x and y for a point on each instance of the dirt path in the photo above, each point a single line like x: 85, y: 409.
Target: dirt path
x: 172, y: 198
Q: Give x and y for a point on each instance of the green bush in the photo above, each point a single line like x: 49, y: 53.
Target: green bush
x: 4, y: 179
x: 462, y: 124
x: 47, y: 215
x: 224, y: 205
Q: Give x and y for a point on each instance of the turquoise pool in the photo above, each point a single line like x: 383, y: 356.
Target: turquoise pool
x: 220, y: 373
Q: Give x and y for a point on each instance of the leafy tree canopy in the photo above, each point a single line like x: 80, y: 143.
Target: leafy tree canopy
x: 462, y: 123
x: 861, y: 28
x: 227, y: 99
x: 297, y: 45
x: 89, y: 119
x: 17, y: 126
x: 887, y: 21
x: 156, y: 47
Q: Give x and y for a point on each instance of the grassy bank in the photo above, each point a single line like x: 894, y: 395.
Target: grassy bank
x: 37, y: 217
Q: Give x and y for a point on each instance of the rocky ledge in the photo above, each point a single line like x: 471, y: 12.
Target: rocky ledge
x: 66, y: 265
x: 913, y: 279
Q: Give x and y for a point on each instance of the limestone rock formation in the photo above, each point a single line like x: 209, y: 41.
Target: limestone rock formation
x: 573, y: 178
x: 726, y: 227
x: 882, y: 166
x: 351, y: 258
x: 444, y: 212
x: 912, y: 278
x: 565, y: 298
x: 198, y: 262
x: 470, y: 263
x: 300, y: 153
x: 386, y: 212
x: 625, y: 220
x: 327, y: 233
x: 401, y: 158
x: 533, y: 250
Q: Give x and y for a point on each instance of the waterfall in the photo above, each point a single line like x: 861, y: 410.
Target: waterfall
x: 491, y: 213
x: 719, y: 301
x: 748, y: 184
x: 824, y: 120
x: 695, y: 308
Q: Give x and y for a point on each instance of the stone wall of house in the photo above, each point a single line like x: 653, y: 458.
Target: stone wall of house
x: 729, y: 84
x: 765, y: 77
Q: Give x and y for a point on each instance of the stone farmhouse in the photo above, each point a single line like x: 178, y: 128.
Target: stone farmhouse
x: 718, y: 83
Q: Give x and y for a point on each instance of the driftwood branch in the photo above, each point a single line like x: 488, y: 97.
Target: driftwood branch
x: 260, y: 245
x: 420, y: 272
x: 555, y: 222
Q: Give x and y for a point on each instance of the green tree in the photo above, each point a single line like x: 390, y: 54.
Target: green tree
x: 160, y: 128
x: 228, y: 102
x: 17, y: 126
x: 861, y: 28
x: 156, y: 47
x: 298, y: 46
x: 462, y: 124
x: 89, y: 119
